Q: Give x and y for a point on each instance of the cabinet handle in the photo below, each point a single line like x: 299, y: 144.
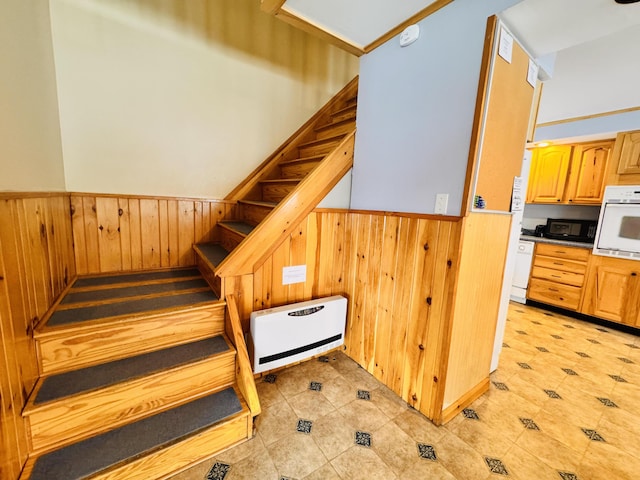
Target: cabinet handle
x: 561, y: 251
x: 558, y: 263
x: 553, y: 290
x: 634, y: 274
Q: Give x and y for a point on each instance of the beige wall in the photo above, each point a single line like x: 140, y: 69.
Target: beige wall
x: 181, y: 98
x: 30, y: 148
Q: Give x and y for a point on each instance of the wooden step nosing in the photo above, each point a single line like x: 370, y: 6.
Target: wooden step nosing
x: 339, y: 123
x: 131, y: 284
x: 274, y: 181
x: 315, y: 158
x: 233, y: 230
x: 335, y: 139
x: 258, y: 203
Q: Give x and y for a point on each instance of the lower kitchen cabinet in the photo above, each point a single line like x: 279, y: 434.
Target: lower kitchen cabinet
x: 612, y: 291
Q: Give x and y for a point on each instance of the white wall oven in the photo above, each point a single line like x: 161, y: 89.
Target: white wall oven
x: 618, y: 233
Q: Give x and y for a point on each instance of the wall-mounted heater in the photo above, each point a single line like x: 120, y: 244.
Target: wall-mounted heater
x: 291, y: 333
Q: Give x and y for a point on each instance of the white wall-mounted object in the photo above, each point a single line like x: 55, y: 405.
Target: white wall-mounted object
x: 409, y: 35
x: 294, y: 274
x: 287, y: 334
x: 441, y: 203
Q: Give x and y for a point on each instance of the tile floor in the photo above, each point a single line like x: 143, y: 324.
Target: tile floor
x: 564, y: 404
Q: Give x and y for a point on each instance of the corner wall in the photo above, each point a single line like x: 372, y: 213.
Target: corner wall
x: 30, y: 145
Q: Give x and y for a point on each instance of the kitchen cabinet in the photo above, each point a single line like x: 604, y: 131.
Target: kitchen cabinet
x: 612, y: 291
x: 558, y: 275
x: 628, y: 153
x: 570, y: 174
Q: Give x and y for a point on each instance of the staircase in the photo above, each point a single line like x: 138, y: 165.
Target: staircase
x: 138, y: 379
x: 284, y: 189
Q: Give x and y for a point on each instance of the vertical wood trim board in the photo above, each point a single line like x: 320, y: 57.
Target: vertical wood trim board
x: 36, y: 264
x: 122, y: 233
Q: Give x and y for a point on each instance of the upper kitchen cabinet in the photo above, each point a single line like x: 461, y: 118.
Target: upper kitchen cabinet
x: 548, y: 174
x: 570, y: 174
x: 625, y: 169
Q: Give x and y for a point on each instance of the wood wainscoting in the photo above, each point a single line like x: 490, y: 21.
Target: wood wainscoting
x: 36, y: 264
x: 125, y: 232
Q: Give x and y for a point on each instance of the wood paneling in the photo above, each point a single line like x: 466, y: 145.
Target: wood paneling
x: 122, y: 233
x: 36, y: 264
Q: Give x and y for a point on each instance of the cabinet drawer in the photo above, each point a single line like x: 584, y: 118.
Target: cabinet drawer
x: 565, y: 296
x: 556, y: 263
x: 568, y: 253
x: 569, y: 278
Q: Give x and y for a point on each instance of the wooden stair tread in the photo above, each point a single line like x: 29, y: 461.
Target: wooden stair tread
x: 315, y: 158
x: 346, y: 109
x: 240, y: 227
x: 330, y: 125
x: 126, y: 307
x: 137, y: 277
x: 259, y: 203
x: 281, y: 180
x: 107, y: 450
x: 335, y: 139
x: 87, y: 379
x: 214, y: 253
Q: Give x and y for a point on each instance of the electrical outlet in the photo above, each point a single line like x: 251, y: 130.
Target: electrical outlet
x: 441, y: 203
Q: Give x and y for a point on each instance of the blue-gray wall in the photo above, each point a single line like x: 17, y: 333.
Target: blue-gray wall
x: 415, y: 112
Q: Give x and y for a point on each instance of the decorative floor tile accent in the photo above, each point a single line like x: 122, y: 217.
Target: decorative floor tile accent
x: 542, y: 349
x: 218, y: 471
x: 363, y: 439
x: 323, y: 359
x: 625, y: 360
x: 526, y: 366
x: 304, y: 426
x: 521, y: 332
x: 363, y: 395
x: 568, y: 371
x: 315, y: 386
x: 553, y: 394
x: 427, y: 452
x: 496, y: 466
x: 529, y: 424
x: 501, y: 386
x: 505, y: 345
x: 287, y: 478
x: 607, y: 403
x: 557, y: 337
x: 568, y: 475
x: 583, y: 355
x: 602, y: 330
x: 470, y: 413
x: 618, y: 378
x: 593, y: 435
x: 568, y: 325
x: 594, y: 341
x: 270, y: 378
x: 631, y: 345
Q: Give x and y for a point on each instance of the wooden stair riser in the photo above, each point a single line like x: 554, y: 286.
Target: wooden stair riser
x: 298, y: 169
x: 319, y: 148
x: 209, y: 275
x: 230, y: 239
x: 64, y: 349
x: 68, y: 420
x: 340, y: 128
x: 253, y: 214
x: 275, y: 192
x: 344, y: 114
x: 352, y: 101
x: 177, y: 456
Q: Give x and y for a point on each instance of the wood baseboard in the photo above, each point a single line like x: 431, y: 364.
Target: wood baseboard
x: 464, y: 401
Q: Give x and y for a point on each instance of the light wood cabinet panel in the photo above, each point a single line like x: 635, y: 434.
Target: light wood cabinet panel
x: 588, y: 173
x: 629, y: 159
x: 613, y: 290
x: 553, y: 293
x: 549, y: 168
x: 563, y: 253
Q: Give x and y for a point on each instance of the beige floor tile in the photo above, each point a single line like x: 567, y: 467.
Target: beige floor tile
x: 292, y: 382
x: 361, y: 379
x: 419, y: 427
x: 487, y: 441
x: 606, y: 462
x: 426, y: 469
x: 339, y: 391
x: 562, y: 430
x: 388, y: 402
x: 332, y: 434
x: 326, y: 472
x: 521, y: 465
x: 296, y: 455
x: 549, y: 450
x: 361, y: 463
x: 310, y: 405
x: 397, y: 449
x: 253, y: 467
x: 276, y: 422
x: 363, y: 415
x: 250, y: 448
x: 268, y: 393
x: 460, y: 459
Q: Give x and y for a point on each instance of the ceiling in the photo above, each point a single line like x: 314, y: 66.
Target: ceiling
x: 543, y: 26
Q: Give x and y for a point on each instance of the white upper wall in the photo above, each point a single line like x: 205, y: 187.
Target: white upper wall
x: 416, y: 109
x: 30, y: 147
x: 182, y: 98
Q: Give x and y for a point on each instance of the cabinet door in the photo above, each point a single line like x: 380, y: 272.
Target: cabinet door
x: 629, y: 162
x: 613, y: 290
x: 588, y: 173
x: 549, y: 168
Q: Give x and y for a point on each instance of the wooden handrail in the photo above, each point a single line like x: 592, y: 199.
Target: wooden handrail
x: 244, y: 373
x: 284, y: 218
x: 291, y: 144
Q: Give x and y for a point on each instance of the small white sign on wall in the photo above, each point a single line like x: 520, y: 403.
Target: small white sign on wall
x: 294, y: 274
x: 505, y: 47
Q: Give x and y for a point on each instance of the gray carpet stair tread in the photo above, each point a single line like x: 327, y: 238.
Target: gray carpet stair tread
x: 135, y: 277
x: 129, y: 307
x: 99, y: 376
x: 83, y: 459
x: 213, y: 252
x: 241, y: 227
x: 124, y: 292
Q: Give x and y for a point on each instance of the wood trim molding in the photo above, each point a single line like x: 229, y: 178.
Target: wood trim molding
x: 283, y: 219
x: 426, y: 216
x: 462, y: 403
x: 588, y: 117
x: 21, y: 195
x: 424, y: 13
x: 150, y: 197
x: 271, y: 6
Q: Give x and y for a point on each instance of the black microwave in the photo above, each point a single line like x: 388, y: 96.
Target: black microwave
x: 573, y: 230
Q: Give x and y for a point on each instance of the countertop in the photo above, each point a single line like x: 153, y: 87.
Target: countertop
x: 568, y: 243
